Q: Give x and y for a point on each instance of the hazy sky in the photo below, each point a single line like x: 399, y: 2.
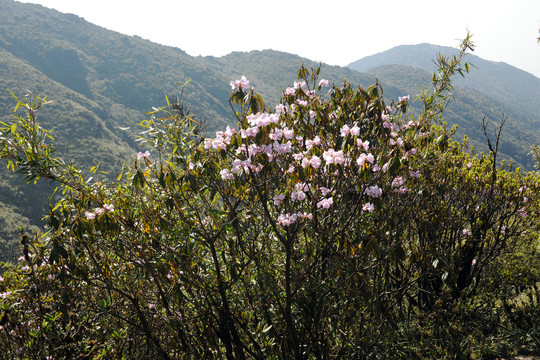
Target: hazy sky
x: 336, y: 32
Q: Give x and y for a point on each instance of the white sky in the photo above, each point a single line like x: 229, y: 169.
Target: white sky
x: 336, y: 32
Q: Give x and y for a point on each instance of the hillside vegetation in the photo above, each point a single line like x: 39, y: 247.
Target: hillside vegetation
x: 333, y: 222
x: 100, y: 84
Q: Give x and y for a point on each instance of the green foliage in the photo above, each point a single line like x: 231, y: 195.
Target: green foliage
x: 331, y: 225
x: 535, y: 153
x: 105, y: 80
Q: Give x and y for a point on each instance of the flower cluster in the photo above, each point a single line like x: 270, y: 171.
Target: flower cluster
x: 271, y: 134
x: 144, y: 155
x: 90, y: 215
x: 223, y: 138
x: 240, y: 85
x: 289, y: 219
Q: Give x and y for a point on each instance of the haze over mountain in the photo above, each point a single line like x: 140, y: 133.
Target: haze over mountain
x: 101, y: 82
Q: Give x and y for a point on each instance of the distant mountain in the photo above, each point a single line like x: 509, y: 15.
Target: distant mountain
x: 500, y: 81
x: 101, y: 82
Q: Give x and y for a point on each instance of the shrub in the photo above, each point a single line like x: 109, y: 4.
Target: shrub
x: 330, y: 225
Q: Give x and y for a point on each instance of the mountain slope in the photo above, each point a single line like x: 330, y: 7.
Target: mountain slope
x: 467, y: 108
x: 502, y: 82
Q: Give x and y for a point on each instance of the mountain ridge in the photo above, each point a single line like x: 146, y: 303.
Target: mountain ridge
x: 500, y: 80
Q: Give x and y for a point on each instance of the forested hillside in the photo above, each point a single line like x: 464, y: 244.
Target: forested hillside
x: 491, y: 89
x: 469, y: 107
x: 498, y: 80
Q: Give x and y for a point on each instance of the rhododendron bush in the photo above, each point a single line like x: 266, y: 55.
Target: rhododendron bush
x: 328, y: 225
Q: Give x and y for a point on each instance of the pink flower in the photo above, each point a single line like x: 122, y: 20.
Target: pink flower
x: 290, y: 91
x: 276, y: 134
x: 226, y: 174
x: 373, y: 191
x: 298, y: 195
x: 302, y: 102
x: 146, y: 155
x: 90, y: 215
x: 323, y: 82
x: 108, y: 207
x: 229, y: 132
x: 325, y: 203
x: 315, y: 142
x: 325, y: 191
x: 314, y: 162
x: 345, y: 130
x: 286, y: 219
x: 305, y: 215
x: 333, y: 157
x: 241, y: 84
x: 312, y: 114
x: 363, y: 158
x: 522, y: 212
x: 262, y: 119
x: 256, y: 168
x: 239, y: 165
x: 282, y: 148
x: 290, y: 170
x: 397, y: 182
x: 355, y: 130
x: 473, y: 262
x: 99, y: 211
x: 288, y: 134
x: 364, y: 144
x: 369, y: 207
x: 403, y: 98
x: 298, y: 85
x: 249, y: 132
x: 280, y: 109
x: 278, y: 199
x: 219, y: 143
